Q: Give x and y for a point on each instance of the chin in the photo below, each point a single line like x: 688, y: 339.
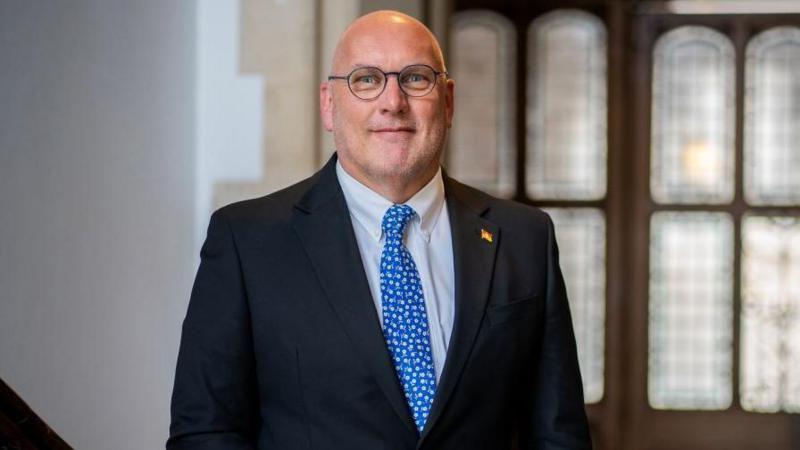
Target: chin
x: 402, y: 170
x: 390, y: 162
x: 396, y: 151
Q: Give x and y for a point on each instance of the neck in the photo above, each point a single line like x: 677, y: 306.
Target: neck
x: 396, y: 189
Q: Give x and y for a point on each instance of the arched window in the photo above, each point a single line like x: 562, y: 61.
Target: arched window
x: 691, y: 252
x: 692, y: 117
x: 566, y: 107
x: 482, y: 150
x: 676, y: 201
x: 772, y: 118
x: 566, y: 161
x: 770, y: 309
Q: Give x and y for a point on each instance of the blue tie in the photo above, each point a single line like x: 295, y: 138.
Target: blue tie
x: 405, y: 323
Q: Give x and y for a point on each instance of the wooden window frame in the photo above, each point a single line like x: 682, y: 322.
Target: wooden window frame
x: 732, y: 428
x: 623, y: 419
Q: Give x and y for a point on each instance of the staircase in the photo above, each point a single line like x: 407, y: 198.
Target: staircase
x: 21, y: 428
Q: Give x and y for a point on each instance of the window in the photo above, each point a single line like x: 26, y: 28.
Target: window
x: 481, y: 60
x: 566, y: 107
x: 691, y: 277
x: 665, y: 148
x: 566, y: 141
x: 692, y: 117
x: 718, y: 196
x: 691, y: 253
x: 566, y: 160
x: 770, y: 306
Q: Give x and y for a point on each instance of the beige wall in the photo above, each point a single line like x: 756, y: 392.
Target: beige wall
x: 289, y: 45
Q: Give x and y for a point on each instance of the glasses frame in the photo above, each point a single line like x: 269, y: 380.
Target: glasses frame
x: 436, y: 74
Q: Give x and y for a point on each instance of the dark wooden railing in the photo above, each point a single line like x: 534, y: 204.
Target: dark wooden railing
x: 21, y: 428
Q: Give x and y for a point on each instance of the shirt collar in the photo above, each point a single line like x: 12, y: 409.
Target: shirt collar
x: 368, y: 207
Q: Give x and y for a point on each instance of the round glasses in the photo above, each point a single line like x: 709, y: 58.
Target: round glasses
x: 368, y: 83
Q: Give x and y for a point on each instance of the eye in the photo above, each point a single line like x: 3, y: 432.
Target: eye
x: 417, y: 77
x: 366, y: 79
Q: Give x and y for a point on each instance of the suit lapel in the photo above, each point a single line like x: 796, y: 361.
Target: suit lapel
x: 323, y: 224
x: 324, y: 227
x: 475, y: 241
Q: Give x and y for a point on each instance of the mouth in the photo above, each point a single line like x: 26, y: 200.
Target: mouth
x: 393, y: 130
x: 394, y: 134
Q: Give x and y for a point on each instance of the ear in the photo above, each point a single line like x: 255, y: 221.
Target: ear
x: 449, y: 99
x: 326, y: 105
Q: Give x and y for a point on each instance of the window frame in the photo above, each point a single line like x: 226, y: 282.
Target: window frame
x: 604, y: 416
x: 732, y: 428
x: 623, y: 419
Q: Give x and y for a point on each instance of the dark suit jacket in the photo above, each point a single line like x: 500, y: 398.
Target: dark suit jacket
x: 282, y: 348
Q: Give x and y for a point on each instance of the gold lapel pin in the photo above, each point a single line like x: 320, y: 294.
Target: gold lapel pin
x: 486, y: 235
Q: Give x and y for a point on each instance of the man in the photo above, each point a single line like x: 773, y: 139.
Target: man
x: 379, y: 304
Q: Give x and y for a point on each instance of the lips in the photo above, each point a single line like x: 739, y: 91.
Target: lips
x: 393, y: 130
x: 393, y: 134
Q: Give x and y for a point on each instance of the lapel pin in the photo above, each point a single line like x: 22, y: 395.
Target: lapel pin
x: 486, y: 236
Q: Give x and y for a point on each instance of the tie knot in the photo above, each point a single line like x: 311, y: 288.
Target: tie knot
x: 395, y: 219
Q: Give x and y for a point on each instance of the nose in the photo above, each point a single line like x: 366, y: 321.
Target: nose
x: 393, y: 99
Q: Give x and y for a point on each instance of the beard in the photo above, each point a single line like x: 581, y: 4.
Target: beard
x: 393, y: 163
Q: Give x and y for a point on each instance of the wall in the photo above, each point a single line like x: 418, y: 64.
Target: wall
x: 96, y: 201
x: 122, y: 126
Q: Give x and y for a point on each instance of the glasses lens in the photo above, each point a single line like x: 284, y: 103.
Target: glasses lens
x: 417, y: 80
x: 366, y: 82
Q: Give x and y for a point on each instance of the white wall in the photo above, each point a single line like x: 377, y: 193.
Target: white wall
x: 96, y: 211
x: 123, y: 124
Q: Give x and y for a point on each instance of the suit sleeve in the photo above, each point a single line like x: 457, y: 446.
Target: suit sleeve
x: 214, y: 400
x: 557, y: 414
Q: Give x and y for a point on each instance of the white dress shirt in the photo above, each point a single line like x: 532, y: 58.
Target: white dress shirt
x: 427, y: 238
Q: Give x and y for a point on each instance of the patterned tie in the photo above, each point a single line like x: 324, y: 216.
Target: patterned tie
x: 405, y: 323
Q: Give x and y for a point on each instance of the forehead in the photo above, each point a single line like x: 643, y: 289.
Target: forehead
x: 390, y: 47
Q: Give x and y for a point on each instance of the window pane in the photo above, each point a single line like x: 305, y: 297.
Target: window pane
x: 690, y: 324
x: 770, y: 315
x: 581, y: 235
x: 566, y: 107
x: 482, y: 143
x: 772, y: 118
x: 692, y: 140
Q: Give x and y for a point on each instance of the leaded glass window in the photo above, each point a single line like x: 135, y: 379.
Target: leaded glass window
x: 581, y: 240
x: 692, y: 159
x: 566, y: 107
x: 770, y: 306
x: 692, y: 120
x: 566, y: 155
x: 772, y: 118
x: 770, y: 314
x: 702, y: 278
x: 482, y: 143
x: 691, y: 312
x: 566, y: 143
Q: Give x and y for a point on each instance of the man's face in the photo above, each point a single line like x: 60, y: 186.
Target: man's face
x: 393, y: 139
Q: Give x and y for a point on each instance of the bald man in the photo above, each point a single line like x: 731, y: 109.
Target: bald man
x: 379, y: 304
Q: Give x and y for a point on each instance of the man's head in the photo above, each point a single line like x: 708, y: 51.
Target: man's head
x: 391, y: 143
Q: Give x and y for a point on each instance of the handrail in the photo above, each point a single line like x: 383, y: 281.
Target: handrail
x: 21, y: 428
